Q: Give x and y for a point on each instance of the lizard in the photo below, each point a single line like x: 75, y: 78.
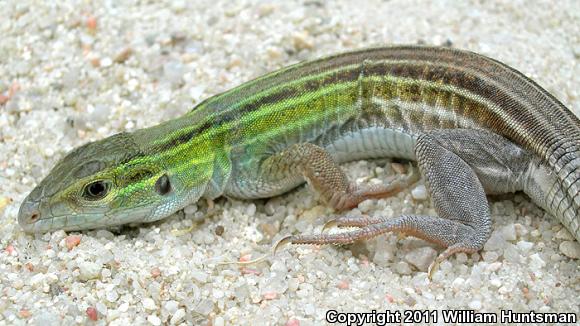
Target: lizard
x: 474, y: 126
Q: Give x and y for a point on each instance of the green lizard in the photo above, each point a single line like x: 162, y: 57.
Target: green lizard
x: 474, y: 126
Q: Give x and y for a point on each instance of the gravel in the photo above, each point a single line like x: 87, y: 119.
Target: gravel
x: 73, y: 72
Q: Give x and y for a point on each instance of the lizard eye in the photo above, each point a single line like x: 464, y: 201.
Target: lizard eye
x: 96, y: 190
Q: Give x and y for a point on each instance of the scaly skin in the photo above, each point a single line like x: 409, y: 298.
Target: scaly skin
x: 271, y: 134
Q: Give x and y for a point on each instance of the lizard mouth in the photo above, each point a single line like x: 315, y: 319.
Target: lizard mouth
x: 63, y: 222
x: 35, y: 216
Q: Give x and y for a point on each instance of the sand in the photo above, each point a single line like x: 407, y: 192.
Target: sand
x: 74, y: 72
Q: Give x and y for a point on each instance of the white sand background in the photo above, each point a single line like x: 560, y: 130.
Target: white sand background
x: 74, y: 72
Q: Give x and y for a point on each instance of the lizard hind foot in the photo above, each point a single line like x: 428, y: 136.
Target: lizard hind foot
x: 457, y: 237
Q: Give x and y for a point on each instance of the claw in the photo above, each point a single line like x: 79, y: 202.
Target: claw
x: 282, y: 242
x: 329, y: 225
x: 432, y: 269
x: 244, y: 263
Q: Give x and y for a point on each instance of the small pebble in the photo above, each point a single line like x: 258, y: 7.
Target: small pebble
x: 149, y: 304
x: 495, y: 242
x: 536, y: 262
x: 419, y: 193
x: 475, y: 305
x: 302, y: 41
x: 106, y: 62
x: 494, y: 267
x: 421, y: 257
x: 403, y: 268
x: 4, y: 99
x: 89, y: 270
x: 190, y: 209
x: 509, y: 232
x: 458, y: 283
x: 72, y: 241
x: 270, y: 295
x: 309, y: 309
x: 92, y: 313
x: 4, y: 201
x: 171, y: 306
x: 91, y: 23
x: 24, y: 313
x: 178, y: 316
x: 154, y: 320
x: 155, y: 272
x: 535, y: 233
x: 343, y: 285
x: 199, y: 276
x: 570, y: 249
x: 461, y: 257
x: 292, y: 322
x: 123, y: 55
x: 219, y: 230
x: 105, y: 234
x: 112, y: 296
x: 252, y: 271
x: 18, y: 284
x: 399, y: 168
x: 219, y: 321
x: 10, y: 250
x: 525, y: 246
x: 124, y: 307
x: 564, y: 234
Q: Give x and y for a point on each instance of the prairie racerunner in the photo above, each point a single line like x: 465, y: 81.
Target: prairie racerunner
x: 473, y: 124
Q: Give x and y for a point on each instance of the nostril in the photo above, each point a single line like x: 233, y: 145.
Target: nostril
x: 34, y: 217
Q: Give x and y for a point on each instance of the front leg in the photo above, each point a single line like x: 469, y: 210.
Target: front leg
x: 459, y: 166
x: 325, y: 176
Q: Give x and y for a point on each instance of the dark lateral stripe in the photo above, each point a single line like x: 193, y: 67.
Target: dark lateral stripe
x: 524, y: 111
x: 179, y: 137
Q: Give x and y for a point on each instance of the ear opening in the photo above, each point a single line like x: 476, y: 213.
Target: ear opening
x: 163, y: 185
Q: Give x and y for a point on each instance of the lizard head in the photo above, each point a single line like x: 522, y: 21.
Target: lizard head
x: 101, y: 184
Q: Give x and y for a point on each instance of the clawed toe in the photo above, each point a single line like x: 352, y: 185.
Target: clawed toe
x: 329, y: 225
x: 282, y: 242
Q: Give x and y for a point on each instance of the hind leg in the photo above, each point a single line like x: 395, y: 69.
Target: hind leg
x: 458, y: 165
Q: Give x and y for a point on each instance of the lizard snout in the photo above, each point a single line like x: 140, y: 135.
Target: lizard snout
x: 29, y: 214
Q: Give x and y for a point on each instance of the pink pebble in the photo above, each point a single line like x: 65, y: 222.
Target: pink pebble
x: 293, y: 322
x: 72, y: 241
x: 92, y: 313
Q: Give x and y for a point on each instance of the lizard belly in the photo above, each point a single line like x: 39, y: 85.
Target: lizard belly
x: 373, y: 142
